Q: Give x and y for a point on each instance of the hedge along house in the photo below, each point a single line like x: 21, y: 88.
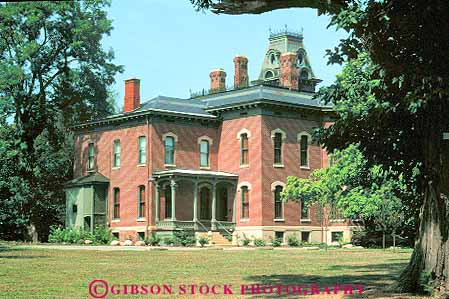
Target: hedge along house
x: 217, y: 161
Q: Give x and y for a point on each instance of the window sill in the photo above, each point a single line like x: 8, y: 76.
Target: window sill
x: 304, y: 167
x: 338, y: 220
x: 205, y: 167
x: 278, y: 165
x: 141, y: 165
x: 115, y: 220
x: 279, y: 220
x: 141, y: 219
x: 91, y: 170
x: 169, y: 165
x: 244, y: 165
x: 305, y: 220
x: 116, y: 168
x: 244, y: 220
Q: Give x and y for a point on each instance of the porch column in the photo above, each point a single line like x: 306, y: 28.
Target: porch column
x: 158, y: 199
x: 173, y: 200
x: 214, y: 207
x: 234, y: 195
x: 195, y: 205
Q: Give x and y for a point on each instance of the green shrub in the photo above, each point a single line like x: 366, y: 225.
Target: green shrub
x: 169, y: 240
x: 184, y: 238
x: 228, y: 237
x: 203, y: 241
x: 101, y: 235
x: 245, y: 241
x: 153, y: 240
x: 276, y: 242
x: 293, y: 241
x: 259, y: 242
x: 74, y: 235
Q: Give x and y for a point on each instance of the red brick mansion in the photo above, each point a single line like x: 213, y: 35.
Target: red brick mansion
x: 215, y: 162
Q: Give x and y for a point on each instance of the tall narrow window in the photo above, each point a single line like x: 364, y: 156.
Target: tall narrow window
x: 116, y: 153
x: 245, y: 202
x: 142, y: 149
x: 304, y: 210
x: 116, y: 196
x: 204, y: 153
x: 244, y: 159
x: 141, y: 202
x: 277, y: 148
x: 278, y: 213
x: 169, y: 150
x: 90, y: 156
x: 304, y: 149
x: 167, y: 201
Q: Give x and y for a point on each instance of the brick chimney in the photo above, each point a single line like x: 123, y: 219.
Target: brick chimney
x: 132, y: 94
x: 217, y: 80
x: 289, y: 71
x: 240, y: 71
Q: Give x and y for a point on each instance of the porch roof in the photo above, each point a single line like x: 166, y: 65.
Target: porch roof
x: 93, y: 178
x: 194, y: 173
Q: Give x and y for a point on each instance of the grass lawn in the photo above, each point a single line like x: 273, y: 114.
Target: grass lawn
x: 45, y: 273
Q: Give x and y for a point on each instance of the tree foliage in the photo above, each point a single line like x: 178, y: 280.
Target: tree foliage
x: 53, y: 72
x: 408, y: 45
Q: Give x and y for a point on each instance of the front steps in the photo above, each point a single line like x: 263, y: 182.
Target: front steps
x: 215, y: 239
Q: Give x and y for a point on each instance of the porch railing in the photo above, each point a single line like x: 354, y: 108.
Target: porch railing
x: 204, y: 225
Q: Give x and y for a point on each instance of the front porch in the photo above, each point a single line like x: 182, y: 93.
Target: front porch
x: 194, y: 200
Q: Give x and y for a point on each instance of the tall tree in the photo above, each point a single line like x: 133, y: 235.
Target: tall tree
x: 53, y: 72
x: 408, y: 45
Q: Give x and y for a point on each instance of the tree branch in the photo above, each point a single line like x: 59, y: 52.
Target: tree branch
x: 236, y: 7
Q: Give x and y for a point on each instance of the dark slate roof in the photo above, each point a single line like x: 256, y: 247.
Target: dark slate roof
x: 262, y: 93
x: 177, y: 105
x: 90, y: 179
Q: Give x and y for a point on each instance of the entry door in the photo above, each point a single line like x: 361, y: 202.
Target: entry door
x: 223, y: 204
x: 205, y: 206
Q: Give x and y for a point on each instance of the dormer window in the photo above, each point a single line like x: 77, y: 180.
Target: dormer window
x: 272, y: 58
x: 300, y: 59
x: 304, y: 75
x: 269, y: 75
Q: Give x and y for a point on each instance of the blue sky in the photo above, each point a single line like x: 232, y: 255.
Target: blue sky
x: 172, y: 48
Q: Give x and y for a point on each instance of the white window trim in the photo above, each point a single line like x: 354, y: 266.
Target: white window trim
x: 175, y: 138
x: 210, y: 141
x: 138, y: 151
x: 244, y: 184
x: 309, y: 142
x: 243, y: 131
x: 239, y: 137
x: 284, y: 137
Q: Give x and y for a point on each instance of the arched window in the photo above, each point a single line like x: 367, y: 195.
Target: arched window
x: 304, y: 75
x: 169, y: 144
x: 167, y: 197
x: 116, y: 197
x: 277, y: 148
x: 278, y: 204
x: 90, y: 156
x: 141, y: 202
x: 142, y: 150
x: 245, y: 202
x: 268, y: 75
x: 244, y: 150
x: 116, y: 161
x: 272, y: 58
x: 204, y: 153
x: 300, y: 59
x: 304, y: 140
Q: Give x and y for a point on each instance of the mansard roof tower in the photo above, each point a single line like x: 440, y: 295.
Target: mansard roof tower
x: 286, y: 62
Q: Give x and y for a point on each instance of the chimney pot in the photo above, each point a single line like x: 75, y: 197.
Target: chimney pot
x: 240, y: 71
x: 289, y: 76
x: 217, y: 80
x: 132, y: 94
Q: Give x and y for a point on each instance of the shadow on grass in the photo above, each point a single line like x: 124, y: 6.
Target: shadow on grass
x: 9, y: 249
x: 378, y: 276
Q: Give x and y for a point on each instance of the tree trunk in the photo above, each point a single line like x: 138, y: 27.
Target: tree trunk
x: 394, y: 241
x: 429, y: 264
